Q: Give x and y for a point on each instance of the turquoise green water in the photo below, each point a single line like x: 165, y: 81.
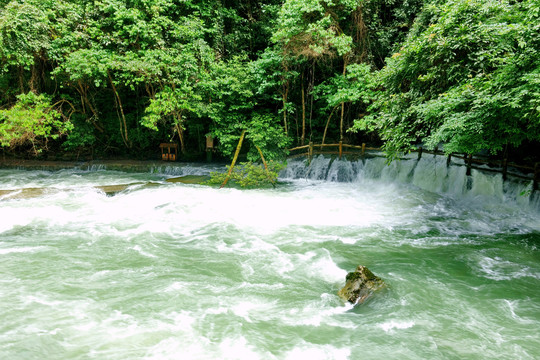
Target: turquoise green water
x: 185, y: 271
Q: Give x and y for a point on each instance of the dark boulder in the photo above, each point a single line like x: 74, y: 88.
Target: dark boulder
x: 359, y: 285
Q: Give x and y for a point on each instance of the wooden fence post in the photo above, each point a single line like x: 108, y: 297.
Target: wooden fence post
x: 419, y: 153
x: 363, y: 149
x: 340, y: 149
x: 310, y: 151
x: 448, y: 160
x: 209, y: 147
x: 469, y: 165
x: 505, y: 168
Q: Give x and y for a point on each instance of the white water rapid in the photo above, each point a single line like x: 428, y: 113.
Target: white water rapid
x: 159, y: 270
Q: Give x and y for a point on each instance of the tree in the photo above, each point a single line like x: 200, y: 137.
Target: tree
x: 24, y: 40
x: 234, y: 108
x: 356, y: 86
x: 308, y: 31
x: 467, y: 77
x: 32, y: 121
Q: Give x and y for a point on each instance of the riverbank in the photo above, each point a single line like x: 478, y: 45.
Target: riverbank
x: 125, y: 165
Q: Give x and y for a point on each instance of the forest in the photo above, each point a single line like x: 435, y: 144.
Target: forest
x: 115, y: 78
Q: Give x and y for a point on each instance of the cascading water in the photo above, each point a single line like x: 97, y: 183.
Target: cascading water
x: 431, y: 173
x: 170, y: 270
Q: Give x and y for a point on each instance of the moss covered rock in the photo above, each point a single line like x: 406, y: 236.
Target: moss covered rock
x: 359, y: 285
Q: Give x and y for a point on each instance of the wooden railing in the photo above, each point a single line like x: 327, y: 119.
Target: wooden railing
x: 339, y: 149
x: 525, y: 172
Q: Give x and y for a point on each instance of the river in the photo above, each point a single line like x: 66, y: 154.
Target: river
x: 160, y: 270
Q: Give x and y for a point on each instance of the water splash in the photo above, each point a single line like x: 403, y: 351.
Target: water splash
x: 430, y: 173
x: 183, y: 270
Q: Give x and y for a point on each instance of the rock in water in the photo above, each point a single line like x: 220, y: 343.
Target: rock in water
x: 360, y: 285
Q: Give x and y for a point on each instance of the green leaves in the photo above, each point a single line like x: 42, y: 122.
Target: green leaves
x: 264, y: 131
x: 249, y: 175
x: 24, y: 34
x: 309, y: 29
x: 356, y: 86
x: 466, y: 80
x: 465, y: 74
x: 31, y: 121
x: 173, y: 103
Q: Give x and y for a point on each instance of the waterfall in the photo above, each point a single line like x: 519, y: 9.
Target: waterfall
x: 431, y: 173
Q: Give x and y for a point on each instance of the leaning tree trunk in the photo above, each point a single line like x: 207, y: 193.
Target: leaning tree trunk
x: 83, y: 91
x: 265, y: 166
x: 238, y: 147
x: 327, y: 123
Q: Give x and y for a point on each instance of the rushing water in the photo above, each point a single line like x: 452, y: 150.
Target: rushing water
x: 174, y: 271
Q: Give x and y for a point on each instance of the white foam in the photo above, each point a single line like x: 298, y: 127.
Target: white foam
x: 318, y: 352
x: 25, y: 249
x: 326, y: 269
x: 513, y: 306
x: 238, y: 348
x: 318, y: 314
x: 253, y: 307
x: 42, y: 300
x: 142, y: 252
x: 12, y: 217
x: 497, y: 268
x: 175, y: 348
x: 393, y: 324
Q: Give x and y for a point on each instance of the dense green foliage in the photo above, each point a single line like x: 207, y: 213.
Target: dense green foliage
x: 467, y: 77
x: 249, y: 175
x: 117, y: 77
x: 33, y: 120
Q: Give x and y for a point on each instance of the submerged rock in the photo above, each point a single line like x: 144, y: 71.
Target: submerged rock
x: 190, y: 179
x: 359, y: 285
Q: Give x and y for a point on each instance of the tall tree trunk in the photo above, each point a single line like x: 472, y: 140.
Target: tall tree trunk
x: 20, y: 73
x: 341, y: 121
x: 360, y: 35
x: 342, y: 103
x: 33, y: 83
x: 296, y: 124
x: 122, y: 118
x: 285, y: 93
x: 180, y: 131
x: 310, y: 92
x: 303, y: 138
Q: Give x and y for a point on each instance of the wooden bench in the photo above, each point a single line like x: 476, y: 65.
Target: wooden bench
x: 169, y: 151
